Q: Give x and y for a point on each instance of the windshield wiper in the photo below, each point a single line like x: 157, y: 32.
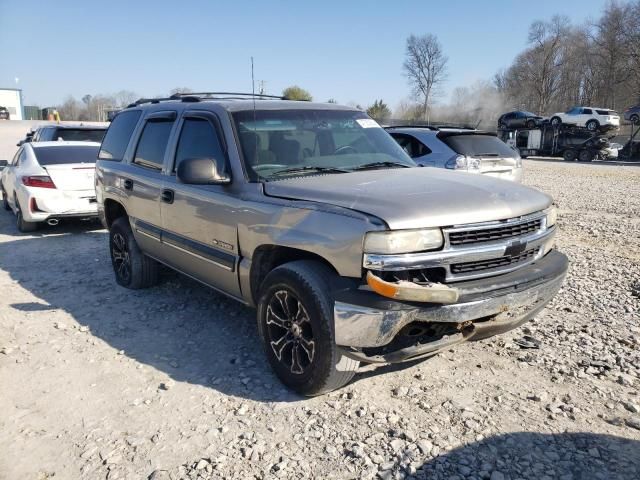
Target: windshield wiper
x: 386, y: 164
x: 308, y: 169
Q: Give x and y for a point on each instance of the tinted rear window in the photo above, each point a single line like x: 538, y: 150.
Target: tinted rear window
x: 117, y: 138
x: 478, y: 145
x: 65, y: 155
x: 79, y: 134
x: 606, y: 112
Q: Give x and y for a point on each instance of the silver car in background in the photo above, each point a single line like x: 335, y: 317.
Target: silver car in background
x: 460, y: 149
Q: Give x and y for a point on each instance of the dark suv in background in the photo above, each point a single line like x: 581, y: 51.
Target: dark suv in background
x: 519, y: 119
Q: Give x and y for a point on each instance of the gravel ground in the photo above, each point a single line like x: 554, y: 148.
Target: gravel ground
x: 169, y: 383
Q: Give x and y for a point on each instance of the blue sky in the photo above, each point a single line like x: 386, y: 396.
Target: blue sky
x: 348, y: 50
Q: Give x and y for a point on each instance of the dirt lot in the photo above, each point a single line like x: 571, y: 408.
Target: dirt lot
x: 100, y: 382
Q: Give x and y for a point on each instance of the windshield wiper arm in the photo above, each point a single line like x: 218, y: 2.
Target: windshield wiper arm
x: 308, y: 169
x: 373, y: 165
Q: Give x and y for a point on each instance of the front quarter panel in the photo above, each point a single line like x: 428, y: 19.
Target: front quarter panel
x: 304, y: 226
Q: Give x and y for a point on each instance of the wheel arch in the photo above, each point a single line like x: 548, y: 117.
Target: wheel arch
x: 112, y: 211
x: 265, y: 258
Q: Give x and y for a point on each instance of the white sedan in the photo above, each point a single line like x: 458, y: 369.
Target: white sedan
x: 48, y: 181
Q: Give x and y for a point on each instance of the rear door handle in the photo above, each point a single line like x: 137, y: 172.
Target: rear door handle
x: 128, y: 184
x: 167, y: 196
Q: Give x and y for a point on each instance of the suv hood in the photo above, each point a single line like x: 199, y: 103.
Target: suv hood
x: 416, y: 197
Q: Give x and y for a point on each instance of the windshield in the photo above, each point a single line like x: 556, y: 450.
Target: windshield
x: 475, y: 145
x: 281, y: 143
x: 64, y: 155
x: 80, y: 134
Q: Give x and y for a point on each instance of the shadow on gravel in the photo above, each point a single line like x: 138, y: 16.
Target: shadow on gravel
x: 536, y: 456
x: 179, y: 327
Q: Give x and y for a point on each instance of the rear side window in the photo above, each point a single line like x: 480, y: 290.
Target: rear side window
x: 64, y: 155
x: 79, y: 134
x: 478, y: 145
x: 117, y: 138
x: 198, y: 139
x: 411, y: 145
x: 153, y: 143
x: 587, y: 111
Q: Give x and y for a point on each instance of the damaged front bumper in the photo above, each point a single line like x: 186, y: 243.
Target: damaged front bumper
x: 374, y: 329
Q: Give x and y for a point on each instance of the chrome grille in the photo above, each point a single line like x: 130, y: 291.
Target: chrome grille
x: 500, y: 262
x: 494, y: 232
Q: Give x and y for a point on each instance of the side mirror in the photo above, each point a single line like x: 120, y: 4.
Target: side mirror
x: 201, y: 171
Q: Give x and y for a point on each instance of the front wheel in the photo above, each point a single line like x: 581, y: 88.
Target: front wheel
x: 635, y: 119
x: 133, y: 269
x: 295, y: 322
x: 555, y: 121
x: 531, y: 124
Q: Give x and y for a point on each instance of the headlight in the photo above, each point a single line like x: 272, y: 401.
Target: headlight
x: 552, y: 216
x: 403, y: 241
x: 461, y: 162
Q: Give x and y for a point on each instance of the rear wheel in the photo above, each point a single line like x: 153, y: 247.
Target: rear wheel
x: 555, y: 121
x: 531, y: 124
x: 592, y: 125
x: 295, y: 322
x: 21, y: 223
x: 569, y: 155
x: 133, y: 269
x: 5, y: 200
x: 585, y: 156
x: 635, y: 119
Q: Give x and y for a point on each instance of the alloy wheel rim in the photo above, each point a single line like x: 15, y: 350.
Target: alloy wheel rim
x: 121, y: 258
x: 289, y: 331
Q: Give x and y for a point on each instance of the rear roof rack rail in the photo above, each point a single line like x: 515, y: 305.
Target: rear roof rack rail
x: 199, y: 96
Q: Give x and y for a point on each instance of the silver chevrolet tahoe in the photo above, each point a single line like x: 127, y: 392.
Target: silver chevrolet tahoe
x: 313, y: 214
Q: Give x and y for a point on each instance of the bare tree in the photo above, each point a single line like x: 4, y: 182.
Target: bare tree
x: 425, y: 66
x: 125, y: 97
x: 173, y: 91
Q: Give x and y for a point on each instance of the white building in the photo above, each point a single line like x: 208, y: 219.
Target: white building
x: 11, y: 98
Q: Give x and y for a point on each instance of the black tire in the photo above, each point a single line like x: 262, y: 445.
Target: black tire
x: 5, y: 201
x: 635, y: 119
x: 295, y: 322
x: 21, y: 223
x: 592, y: 125
x: 132, y: 268
x: 531, y: 124
x: 555, y: 121
x: 585, y: 155
x: 502, y: 126
x: 569, y: 155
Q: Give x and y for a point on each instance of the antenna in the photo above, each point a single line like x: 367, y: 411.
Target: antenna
x: 255, y: 126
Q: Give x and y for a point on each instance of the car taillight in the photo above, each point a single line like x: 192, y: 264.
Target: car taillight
x: 41, y: 181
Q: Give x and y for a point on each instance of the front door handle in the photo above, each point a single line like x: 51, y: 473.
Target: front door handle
x: 167, y: 196
x: 128, y: 184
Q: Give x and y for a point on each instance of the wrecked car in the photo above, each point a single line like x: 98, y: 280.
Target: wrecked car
x: 314, y: 215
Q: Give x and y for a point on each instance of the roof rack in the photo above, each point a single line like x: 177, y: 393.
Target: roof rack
x: 226, y: 95
x: 199, y: 96
x: 434, y: 127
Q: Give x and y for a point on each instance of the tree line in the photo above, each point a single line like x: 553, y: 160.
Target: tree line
x: 596, y: 63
